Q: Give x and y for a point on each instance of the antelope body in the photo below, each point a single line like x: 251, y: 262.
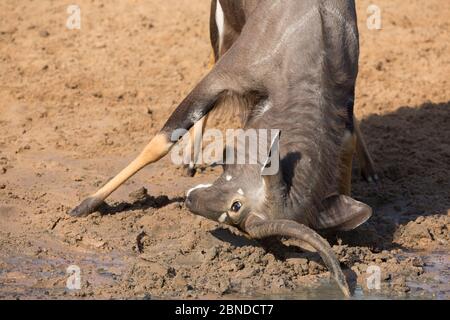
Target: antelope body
x: 295, y: 65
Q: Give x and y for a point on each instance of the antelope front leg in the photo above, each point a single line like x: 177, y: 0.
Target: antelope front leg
x: 193, y: 108
x: 193, y: 149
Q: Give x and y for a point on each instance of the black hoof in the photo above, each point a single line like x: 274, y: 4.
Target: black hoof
x: 189, y: 171
x: 374, y: 181
x: 87, y: 207
x: 372, y: 178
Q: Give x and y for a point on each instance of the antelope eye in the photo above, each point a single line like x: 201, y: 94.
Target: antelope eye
x: 236, y: 206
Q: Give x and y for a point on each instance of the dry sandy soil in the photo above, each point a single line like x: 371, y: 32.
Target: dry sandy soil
x: 77, y: 105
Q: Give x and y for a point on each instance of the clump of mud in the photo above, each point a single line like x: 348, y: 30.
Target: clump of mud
x: 424, y: 233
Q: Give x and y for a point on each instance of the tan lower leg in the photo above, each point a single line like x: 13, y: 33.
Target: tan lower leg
x: 366, y: 163
x: 158, y: 147
x: 348, y: 150
x: 212, y: 61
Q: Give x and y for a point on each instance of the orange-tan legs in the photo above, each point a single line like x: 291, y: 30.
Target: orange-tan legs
x: 348, y: 150
x: 354, y: 143
x: 158, y: 147
x: 212, y: 61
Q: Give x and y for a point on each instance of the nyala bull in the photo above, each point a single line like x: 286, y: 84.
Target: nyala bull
x: 293, y: 65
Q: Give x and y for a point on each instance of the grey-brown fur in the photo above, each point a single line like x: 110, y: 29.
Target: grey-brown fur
x: 310, y: 85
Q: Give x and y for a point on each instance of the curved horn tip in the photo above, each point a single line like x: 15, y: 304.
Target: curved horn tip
x: 338, y: 275
x: 258, y: 229
x: 345, y: 289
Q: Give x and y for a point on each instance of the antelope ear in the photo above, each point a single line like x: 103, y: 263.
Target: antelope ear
x: 342, y: 213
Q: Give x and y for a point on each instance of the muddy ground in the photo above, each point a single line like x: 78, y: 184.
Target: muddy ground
x: 77, y: 105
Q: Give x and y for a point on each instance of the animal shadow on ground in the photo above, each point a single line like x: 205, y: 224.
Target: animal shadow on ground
x: 146, y: 202
x: 411, y: 150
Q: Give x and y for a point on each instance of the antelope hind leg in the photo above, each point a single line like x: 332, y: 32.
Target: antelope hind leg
x: 346, y: 162
x: 366, y: 163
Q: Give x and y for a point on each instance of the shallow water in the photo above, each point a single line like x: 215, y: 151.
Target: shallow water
x: 433, y: 284
x: 437, y: 276
x: 28, y: 278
